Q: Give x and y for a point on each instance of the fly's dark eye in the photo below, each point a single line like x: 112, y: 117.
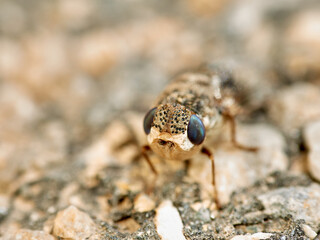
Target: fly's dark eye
x: 148, y: 119
x: 196, y: 130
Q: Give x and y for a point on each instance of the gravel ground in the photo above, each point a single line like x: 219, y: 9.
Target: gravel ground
x: 77, y: 77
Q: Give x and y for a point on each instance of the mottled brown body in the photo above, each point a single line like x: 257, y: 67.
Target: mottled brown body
x: 205, y: 94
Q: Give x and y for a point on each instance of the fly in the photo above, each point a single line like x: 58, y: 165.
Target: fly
x: 191, y: 108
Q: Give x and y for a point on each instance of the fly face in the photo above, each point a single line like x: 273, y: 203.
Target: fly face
x: 174, y: 132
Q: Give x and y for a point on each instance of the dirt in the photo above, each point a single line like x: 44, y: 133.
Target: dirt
x: 76, y: 79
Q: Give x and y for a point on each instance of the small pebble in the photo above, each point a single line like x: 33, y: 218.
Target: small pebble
x: 72, y: 223
x: 168, y: 222
x: 255, y: 236
x: 308, y: 231
x: 142, y: 203
x: 312, y: 139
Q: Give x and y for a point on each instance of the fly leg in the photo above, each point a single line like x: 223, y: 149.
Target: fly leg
x: 207, y: 152
x: 187, y: 164
x: 144, y: 152
x: 232, y: 122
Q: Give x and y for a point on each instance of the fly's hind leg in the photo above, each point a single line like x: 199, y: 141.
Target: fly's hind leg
x: 232, y: 122
x: 207, y: 152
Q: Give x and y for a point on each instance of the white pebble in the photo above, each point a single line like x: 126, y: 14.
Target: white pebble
x: 308, y: 231
x: 255, y: 236
x: 168, y: 222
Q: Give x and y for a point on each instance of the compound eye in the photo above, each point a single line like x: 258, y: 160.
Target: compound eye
x: 148, y: 120
x: 196, y: 130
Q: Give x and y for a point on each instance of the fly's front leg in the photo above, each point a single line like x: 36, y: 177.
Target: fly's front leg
x: 144, y: 152
x: 207, y: 152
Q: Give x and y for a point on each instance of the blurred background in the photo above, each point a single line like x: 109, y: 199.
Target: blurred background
x: 69, y: 67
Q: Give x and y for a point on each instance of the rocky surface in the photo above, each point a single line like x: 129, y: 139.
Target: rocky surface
x: 300, y: 202
x: 77, y: 77
x: 250, y: 166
